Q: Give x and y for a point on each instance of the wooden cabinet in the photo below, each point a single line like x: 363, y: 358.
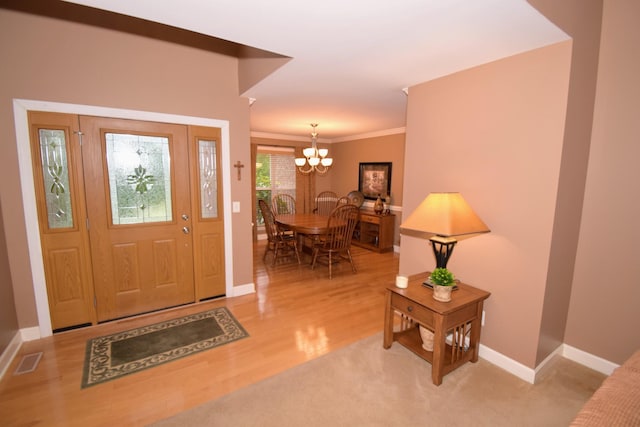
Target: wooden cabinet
x: 375, y: 231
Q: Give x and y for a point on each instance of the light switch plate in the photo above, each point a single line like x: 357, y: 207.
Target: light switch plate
x: 236, y: 207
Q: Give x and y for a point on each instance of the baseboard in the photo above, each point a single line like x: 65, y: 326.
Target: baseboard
x: 249, y: 288
x: 10, y: 353
x: 529, y: 375
x: 30, y: 334
x: 589, y: 360
x: 542, y: 365
x: 515, y: 368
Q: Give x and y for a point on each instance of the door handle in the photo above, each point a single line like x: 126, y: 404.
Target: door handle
x: 186, y: 230
x: 185, y: 217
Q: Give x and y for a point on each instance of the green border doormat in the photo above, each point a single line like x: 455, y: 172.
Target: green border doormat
x: 113, y: 356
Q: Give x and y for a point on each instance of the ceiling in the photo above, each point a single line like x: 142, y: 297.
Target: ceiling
x: 351, y: 59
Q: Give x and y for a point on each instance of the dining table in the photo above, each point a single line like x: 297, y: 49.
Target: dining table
x: 309, y: 224
x: 308, y: 227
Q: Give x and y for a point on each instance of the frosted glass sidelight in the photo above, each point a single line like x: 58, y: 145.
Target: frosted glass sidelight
x: 208, y: 178
x: 55, y: 170
x: 139, y: 168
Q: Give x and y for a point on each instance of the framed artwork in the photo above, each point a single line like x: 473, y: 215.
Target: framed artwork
x: 375, y: 179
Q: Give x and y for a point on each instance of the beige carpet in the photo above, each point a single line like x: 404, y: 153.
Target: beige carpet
x: 365, y: 385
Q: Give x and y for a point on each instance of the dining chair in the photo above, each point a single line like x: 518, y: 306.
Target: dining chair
x: 336, y: 243
x: 283, y: 204
x: 325, y: 202
x: 278, y: 241
x: 344, y: 200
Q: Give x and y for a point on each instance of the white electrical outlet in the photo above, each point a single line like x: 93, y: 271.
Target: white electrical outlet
x: 236, y: 207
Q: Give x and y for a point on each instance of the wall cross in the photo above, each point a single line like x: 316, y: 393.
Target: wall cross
x: 239, y: 166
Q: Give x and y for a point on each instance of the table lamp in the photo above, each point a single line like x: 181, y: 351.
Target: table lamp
x: 443, y: 218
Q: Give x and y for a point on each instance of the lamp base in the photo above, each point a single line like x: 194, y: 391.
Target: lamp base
x: 442, y: 249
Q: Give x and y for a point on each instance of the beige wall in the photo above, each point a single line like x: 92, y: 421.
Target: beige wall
x: 349, y: 154
x: 495, y: 134
x: 580, y: 214
x: 52, y: 60
x: 581, y: 20
x: 605, y: 300
x: 8, y: 316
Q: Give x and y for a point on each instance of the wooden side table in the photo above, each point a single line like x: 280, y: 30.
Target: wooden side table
x: 461, y: 318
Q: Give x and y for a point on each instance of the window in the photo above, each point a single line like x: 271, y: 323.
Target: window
x: 275, y: 174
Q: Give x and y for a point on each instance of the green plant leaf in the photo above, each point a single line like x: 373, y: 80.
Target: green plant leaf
x: 443, y: 277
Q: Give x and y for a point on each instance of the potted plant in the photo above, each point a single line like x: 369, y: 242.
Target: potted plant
x: 443, y: 282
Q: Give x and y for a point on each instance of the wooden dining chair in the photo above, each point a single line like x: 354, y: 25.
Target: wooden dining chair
x: 344, y: 200
x: 283, y: 204
x: 325, y: 202
x: 336, y: 243
x: 278, y: 242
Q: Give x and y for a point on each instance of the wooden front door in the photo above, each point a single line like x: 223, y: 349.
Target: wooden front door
x: 147, y: 208
x: 139, y: 209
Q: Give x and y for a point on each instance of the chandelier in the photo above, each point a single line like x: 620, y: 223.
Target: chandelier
x: 316, y: 158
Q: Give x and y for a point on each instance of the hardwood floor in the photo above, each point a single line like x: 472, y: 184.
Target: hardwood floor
x: 296, y: 314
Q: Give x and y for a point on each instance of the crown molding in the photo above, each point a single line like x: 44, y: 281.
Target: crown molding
x: 285, y: 137
x: 385, y: 132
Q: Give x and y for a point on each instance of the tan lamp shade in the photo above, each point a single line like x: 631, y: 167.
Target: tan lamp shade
x: 445, y: 215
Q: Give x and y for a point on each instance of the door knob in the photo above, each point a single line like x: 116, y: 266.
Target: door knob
x: 186, y: 230
x: 185, y: 217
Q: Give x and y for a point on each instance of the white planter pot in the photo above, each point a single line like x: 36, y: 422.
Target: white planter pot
x: 442, y: 293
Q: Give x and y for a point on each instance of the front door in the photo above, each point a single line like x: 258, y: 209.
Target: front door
x: 130, y: 215
x: 138, y: 205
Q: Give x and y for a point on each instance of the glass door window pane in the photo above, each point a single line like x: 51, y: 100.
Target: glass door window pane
x: 208, y: 179
x: 139, y: 178
x: 53, y: 149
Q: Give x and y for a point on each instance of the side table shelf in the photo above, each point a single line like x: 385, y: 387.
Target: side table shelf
x: 410, y: 338
x: 460, y: 319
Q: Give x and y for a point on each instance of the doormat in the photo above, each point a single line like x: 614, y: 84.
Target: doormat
x: 123, y: 353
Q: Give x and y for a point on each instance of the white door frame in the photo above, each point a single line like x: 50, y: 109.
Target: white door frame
x: 20, y: 108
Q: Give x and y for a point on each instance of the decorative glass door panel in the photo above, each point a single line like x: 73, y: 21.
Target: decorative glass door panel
x: 139, y: 178
x: 55, y: 172
x: 207, y: 157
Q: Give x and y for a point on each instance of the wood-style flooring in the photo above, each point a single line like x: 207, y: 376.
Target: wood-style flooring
x: 296, y: 314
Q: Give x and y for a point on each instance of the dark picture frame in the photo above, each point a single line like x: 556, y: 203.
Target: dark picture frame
x: 375, y: 179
